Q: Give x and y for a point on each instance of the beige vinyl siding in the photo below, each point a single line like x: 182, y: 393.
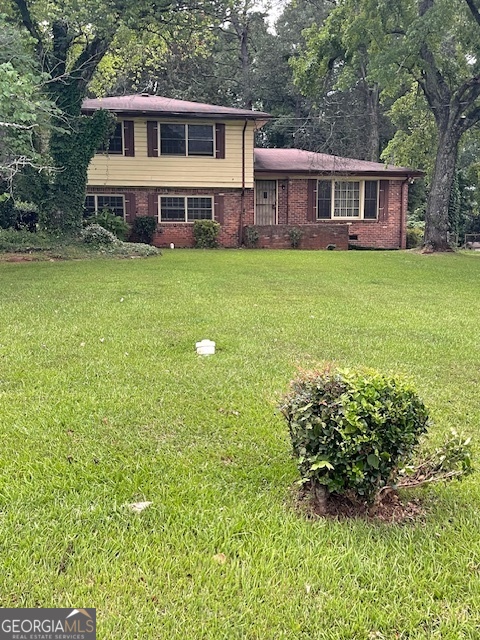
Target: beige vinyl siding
x: 174, y: 171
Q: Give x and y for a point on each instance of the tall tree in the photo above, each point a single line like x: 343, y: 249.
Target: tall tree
x: 25, y: 112
x: 435, y: 46
x: 71, y: 39
x: 336, y: 59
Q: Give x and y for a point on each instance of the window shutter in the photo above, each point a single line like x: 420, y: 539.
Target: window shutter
x: 220, y: 208
x: 383, y: 200
x: 220, y: 140
x: 130, y: 207
x: 129, y: 138
x: 311, y: 197
x: 152, y: 138
x: 324, y: 204
x: 153, y: 205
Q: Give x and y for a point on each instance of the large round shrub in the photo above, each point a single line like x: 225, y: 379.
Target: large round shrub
x: 352, y: 430
x: 97, y: 235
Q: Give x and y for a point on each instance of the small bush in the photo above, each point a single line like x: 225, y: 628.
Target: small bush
x: 251, y: 237
x: 7, y: 212
x: 205, y: 234
x: 414, y: 237
x: 144, y: 228
x: 111, y: 222
x: 18, y: 215
x: 23, y: 241
x: 295, y: 234
x: 97, y: 235
x: 351, y: 431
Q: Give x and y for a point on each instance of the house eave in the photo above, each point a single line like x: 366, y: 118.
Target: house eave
x: 258, y: 117
x: 406, y: 174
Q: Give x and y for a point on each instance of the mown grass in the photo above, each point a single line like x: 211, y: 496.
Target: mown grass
x: 103, y: 402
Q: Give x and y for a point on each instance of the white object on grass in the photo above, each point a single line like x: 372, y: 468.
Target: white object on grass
x: 205, y: 348
x: 138, y: 507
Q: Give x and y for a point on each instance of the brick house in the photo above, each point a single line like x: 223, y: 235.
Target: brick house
x: 183, y: 161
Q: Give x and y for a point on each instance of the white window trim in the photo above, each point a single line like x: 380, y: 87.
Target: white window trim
x: 361, y: 203
x: 186, y: 125
x: 181, y: 195
x: 107, y: 195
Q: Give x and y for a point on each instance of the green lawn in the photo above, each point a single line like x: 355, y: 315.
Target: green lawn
x: 103, y: 402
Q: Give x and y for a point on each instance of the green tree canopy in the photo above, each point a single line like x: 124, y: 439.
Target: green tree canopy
x: 25, y: 111
x: 432, y: 45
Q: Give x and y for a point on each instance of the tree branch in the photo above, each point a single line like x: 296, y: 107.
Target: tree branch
x: 87, y: 62
x: 433, y: 83
x: 474, y: 11
x: 30, y: 26
x: 470, y: 119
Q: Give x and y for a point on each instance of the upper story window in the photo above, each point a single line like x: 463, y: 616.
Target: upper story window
x: 115, y: 144
x: 186, y: 139
x: 122, y: 143
x: 347, y: 199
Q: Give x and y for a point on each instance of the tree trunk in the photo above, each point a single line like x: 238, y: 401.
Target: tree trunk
x: 320, y: 493
x: 242, y: 31
x: 436, y: 217
x: 373, y: 111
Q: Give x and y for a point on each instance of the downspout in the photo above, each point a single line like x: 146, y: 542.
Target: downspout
x: 288, y: 201
x: 242, y: 204
x: 403, y: 212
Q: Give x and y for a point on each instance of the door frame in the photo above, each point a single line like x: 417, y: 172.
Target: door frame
x: 276, y: 199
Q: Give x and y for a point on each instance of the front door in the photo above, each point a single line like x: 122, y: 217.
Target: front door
x: 265, y: 202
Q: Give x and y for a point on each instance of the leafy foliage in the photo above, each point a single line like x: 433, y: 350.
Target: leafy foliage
x: 250, y: 237
x: 98, y: 235
x: 295, y: 235
x: 351, y: 430
x: 424, y: 57
x: 414, y: 237
x: 144, y: 228
x: 73, y: 151
x: 18, y: 215
x: 205, y: 234
x: 111, y: 222
x: 452, y: 459
x: 25, y: 111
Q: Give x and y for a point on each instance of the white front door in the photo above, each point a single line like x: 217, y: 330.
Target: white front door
x: 265, y: 202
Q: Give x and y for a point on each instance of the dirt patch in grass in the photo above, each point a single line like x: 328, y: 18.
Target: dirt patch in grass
x: 26, y: 257
x: 391, y: 508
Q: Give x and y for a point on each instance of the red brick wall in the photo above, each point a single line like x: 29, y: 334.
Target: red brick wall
x: 314, y: 236
x: 385, y: 233
x: 237, y: 212
x: 388, y: 232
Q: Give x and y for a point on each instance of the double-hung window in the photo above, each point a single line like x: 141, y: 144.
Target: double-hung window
x: 187, y: 139
x: 115, y: 144
x: 347, y: 199
x: 122, y: 142
x: 97, y: 203
x: 185, y: 208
